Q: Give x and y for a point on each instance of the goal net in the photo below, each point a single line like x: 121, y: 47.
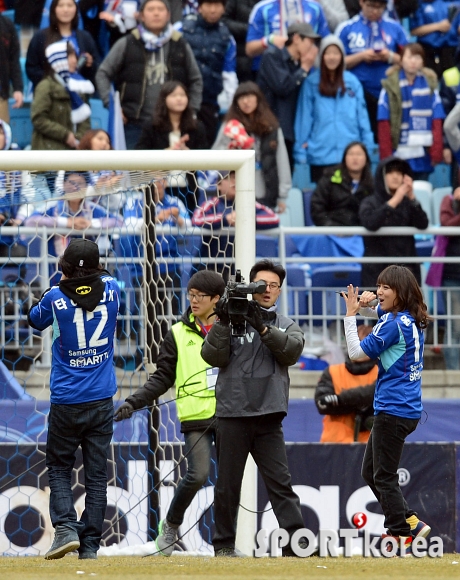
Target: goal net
x: 127, y: 203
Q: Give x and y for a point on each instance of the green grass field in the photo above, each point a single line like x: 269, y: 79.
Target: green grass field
x: 199, y: 568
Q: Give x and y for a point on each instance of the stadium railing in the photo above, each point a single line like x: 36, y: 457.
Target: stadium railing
x: 317, y: 306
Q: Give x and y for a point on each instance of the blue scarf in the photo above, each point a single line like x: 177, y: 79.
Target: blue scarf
x: 74, y: 83
x: 417, y: 117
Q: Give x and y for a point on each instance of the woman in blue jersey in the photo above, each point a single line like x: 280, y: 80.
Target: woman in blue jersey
x: 397, y: 341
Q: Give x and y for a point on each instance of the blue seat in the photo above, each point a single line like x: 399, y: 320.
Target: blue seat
x: 99, y: 115
x: 297, y: 295
x: 307, y: 193
x: 424, y: 248
x: 21, y: 125
x: 441, y: 176
x: 336, y: 277
x: 266, y: 246
x: 28, y: 86
x: 291, y: 247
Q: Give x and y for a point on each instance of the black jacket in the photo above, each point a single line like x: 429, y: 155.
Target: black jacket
x: 333, y: 203
x: 236, y: 17
x: 36, y: 59
x: 10, y: 69
x: 151, y: 138
x: 280, y: 79
x: 253, y: 377
x: 209, y: 43
x: 375, y: 213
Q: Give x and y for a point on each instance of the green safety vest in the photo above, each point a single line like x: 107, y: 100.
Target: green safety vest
x: 195, y: 399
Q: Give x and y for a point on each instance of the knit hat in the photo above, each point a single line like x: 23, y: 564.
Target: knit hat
x: 82, y: 253
x: 330, y: 40
x: 56, y: 54
x: 165, y: 2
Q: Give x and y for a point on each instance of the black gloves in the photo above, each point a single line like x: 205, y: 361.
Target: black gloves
x: 221, y: 311
x: 328, y: 401
x: 124, y: 412
x: 254, y: 316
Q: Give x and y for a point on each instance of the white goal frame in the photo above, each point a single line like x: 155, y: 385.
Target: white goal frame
x: 243, y: 163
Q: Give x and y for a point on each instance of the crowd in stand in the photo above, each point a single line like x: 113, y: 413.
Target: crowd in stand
x: 300, y: 82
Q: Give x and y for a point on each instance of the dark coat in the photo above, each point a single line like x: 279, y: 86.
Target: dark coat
x: 333, y: 203
x: 28, y: 12
x: 280, y: 79
x: 209, y: 43
x: 36, y: 61
x: 375, y: 213
x: 50, y: 115
x: 253, y: 378
x: 151, y: 138
x: 10, y: 69
x: 236, y: 17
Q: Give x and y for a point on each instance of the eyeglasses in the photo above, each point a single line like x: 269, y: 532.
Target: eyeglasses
x: 197, y: 297
x: 272, y: 285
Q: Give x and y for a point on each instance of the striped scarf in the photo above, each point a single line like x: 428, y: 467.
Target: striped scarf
x: 74, y: 83
x: 417, y: 117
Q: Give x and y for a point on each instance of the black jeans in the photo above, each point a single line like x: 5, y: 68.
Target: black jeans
x: 198, y: 447
x: 262, y: 437
x: 89, y: 425
x: 380, y: 466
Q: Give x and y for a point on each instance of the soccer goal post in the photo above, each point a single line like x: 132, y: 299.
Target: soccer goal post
x: 40, y: 177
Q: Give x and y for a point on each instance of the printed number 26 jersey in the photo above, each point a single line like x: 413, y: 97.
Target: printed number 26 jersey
x: 82, y: 368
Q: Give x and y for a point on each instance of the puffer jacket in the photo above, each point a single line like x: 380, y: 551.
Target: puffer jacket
x: 375, y: 213
x: 333, y: 203
x: 253, y: 377
x: 50, y: 114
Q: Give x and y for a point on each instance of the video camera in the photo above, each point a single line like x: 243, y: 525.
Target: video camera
x: 235, y: 299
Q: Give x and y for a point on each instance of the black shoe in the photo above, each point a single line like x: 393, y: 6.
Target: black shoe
x: 87, y: 556
x: 229, y: 553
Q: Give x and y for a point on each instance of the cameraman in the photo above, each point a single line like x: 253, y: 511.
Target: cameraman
x: 252, y: 393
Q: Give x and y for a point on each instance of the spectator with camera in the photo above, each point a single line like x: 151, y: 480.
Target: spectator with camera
x: 252, y: 392
x: 345, y: 395
x: 282, y: 72
x: 372, y: 43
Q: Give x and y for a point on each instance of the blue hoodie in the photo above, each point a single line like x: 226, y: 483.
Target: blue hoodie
x: 329, y: 124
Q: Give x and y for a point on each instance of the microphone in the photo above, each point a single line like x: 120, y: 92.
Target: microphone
x: 371, y: 303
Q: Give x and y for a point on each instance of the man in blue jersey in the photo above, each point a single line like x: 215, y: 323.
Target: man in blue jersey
x: 372, y: 41
x: 82, y: 311
x: 270, y: 19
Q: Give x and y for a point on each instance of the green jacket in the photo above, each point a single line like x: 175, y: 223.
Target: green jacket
x: 391, y: 85
x: 50, y: 115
